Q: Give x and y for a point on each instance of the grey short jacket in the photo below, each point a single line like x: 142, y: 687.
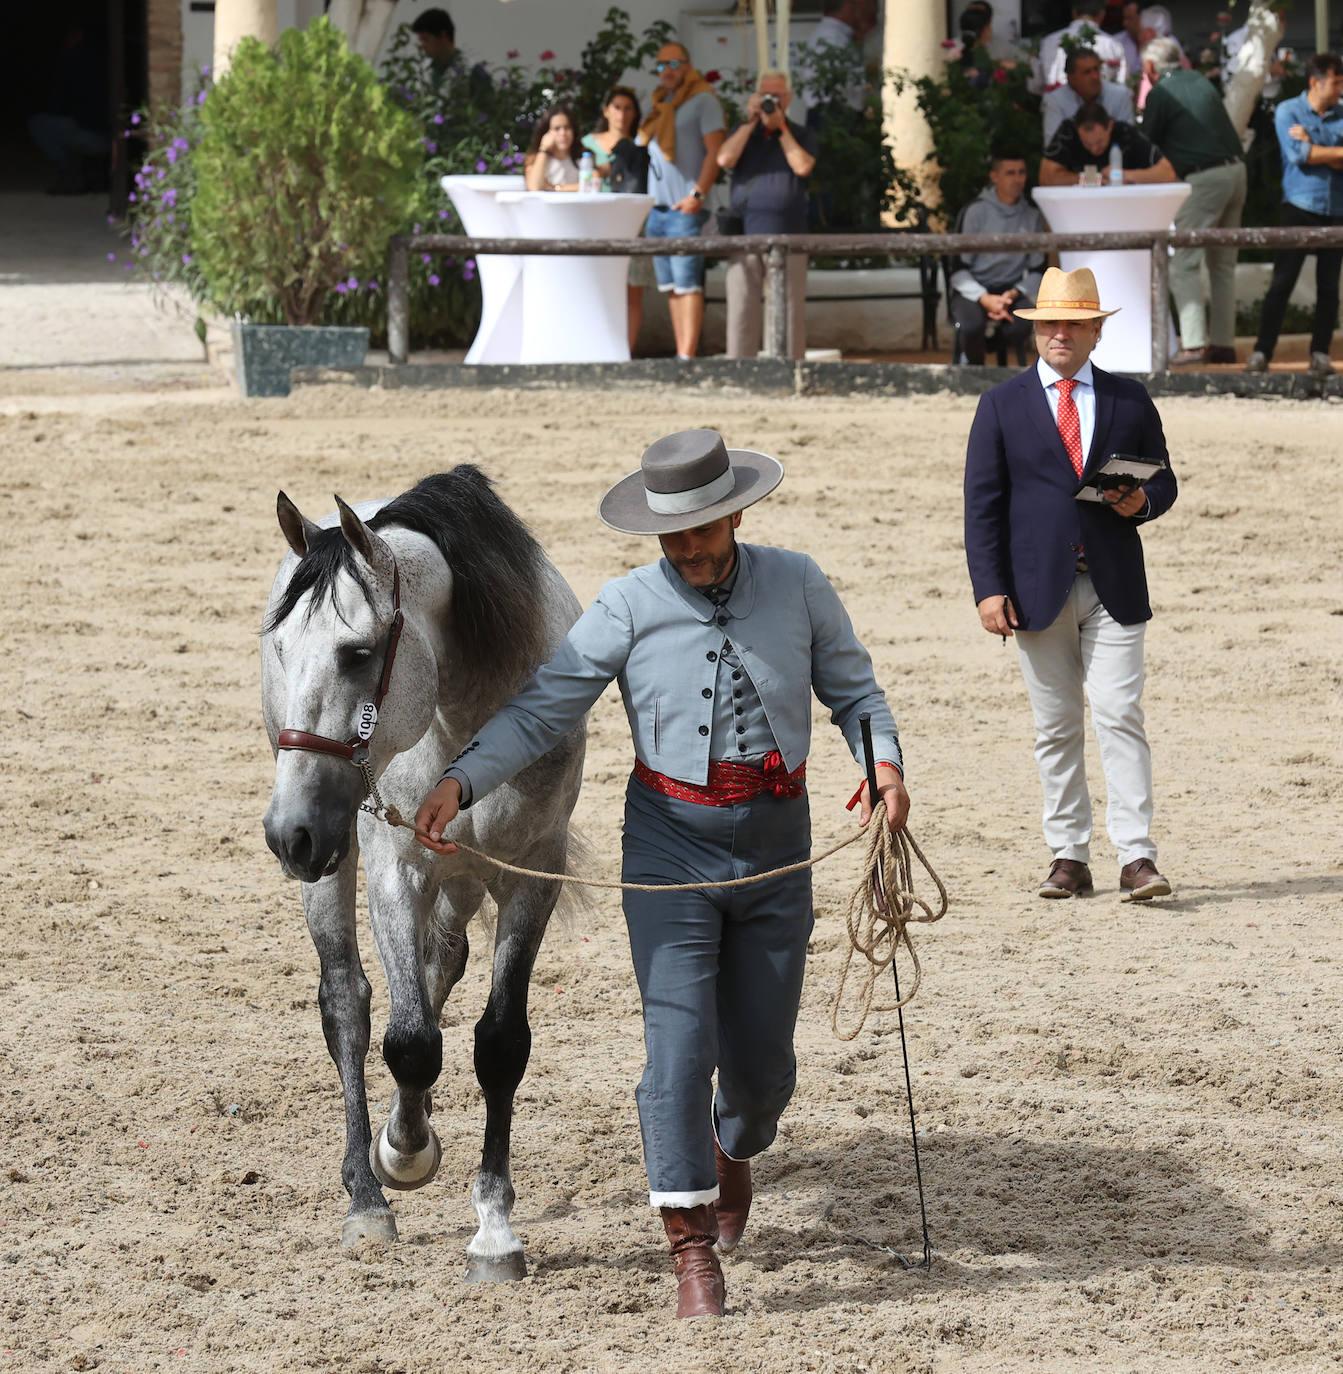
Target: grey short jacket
x: 659, y: 637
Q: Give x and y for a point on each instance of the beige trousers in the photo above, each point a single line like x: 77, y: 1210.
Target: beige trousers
x: 746, y: 304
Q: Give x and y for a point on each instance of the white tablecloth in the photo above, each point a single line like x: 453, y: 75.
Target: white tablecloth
x: 1123, y: 278
x: 575, y: 309
x: 475, y: 198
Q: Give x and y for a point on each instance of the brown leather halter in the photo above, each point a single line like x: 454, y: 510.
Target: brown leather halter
x: 355, y: 749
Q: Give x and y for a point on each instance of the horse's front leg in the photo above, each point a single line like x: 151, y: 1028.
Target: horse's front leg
x: 406, y: 1153
x: 344, y: 996
x: 503, y: 1045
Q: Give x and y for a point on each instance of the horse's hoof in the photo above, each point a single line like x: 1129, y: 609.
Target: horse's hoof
x: 507, y: 1268
x: 377, y: 1226
x: 404, y: 1172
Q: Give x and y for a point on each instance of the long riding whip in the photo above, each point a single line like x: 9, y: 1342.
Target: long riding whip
x: 882, y: 903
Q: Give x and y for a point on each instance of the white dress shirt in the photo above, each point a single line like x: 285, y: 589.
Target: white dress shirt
x: 1114, y: 61
x: 1084, y: 397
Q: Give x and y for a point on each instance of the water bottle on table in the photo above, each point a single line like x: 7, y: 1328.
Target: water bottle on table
x: 586, y: 171
x: 1116, y: 165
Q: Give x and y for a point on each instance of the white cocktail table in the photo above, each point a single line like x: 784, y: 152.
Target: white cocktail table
x: 1123, y: 278
x: 574, y: 309
x: 475, y: 198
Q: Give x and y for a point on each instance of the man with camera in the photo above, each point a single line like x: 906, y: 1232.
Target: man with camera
x: 770, y: 158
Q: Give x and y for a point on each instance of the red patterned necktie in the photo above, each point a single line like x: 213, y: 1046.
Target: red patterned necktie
x: 1070, y: 427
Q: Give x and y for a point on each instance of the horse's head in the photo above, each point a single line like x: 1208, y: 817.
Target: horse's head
x: 330, y: 634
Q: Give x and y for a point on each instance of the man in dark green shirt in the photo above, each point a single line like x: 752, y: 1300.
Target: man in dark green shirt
x: 1186, y: 118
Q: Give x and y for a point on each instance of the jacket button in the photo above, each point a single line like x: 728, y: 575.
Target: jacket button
x: 711, y: 656
x: 741, y: 729
x: 704, y: 729
x: 736, y: 677
x: 706, y: 692
x: 722, y: 620
x: 741, y: 745
x: 738, y: 709
x: 737, y: 693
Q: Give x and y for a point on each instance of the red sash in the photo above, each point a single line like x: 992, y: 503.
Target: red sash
x: 730, y: 783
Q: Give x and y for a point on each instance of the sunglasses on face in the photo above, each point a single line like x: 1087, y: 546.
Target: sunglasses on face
x: 674, y: 63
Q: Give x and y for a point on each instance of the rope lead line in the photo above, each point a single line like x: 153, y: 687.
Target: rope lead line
x: 877, y: 917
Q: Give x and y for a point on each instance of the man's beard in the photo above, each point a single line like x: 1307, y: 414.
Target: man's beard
x: 707, y: 572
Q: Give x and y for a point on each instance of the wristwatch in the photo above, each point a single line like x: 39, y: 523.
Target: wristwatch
x: 697, y: 193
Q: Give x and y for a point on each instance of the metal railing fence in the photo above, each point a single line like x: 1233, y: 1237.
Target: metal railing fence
x: 774, y: 248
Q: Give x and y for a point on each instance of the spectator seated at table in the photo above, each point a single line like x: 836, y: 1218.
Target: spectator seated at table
x: 616, y: 128
x: 987, y: 287
x: 1084, y: 85
x: 1085, y: 141
x: 770, y: 158
x: 549, y: 164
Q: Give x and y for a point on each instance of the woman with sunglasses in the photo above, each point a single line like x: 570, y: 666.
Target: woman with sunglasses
x: 549, y: 164
x: 619, y: 121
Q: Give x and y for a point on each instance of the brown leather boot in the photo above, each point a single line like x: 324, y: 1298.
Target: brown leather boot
x: 734, y: 1198
x: 699, y: 1277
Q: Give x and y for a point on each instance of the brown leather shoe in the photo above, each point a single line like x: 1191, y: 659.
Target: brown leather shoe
x: 1140, y: 882
x: 691, y: 1232
x: 734, y: 1198
x: 1189, y: 357
x: 1067, y: 878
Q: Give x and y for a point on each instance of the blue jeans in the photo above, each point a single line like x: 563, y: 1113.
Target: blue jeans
x: 683, y: 275
x: 720, y: 976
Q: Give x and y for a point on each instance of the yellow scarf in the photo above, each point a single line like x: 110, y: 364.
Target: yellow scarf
x: 660, y: 122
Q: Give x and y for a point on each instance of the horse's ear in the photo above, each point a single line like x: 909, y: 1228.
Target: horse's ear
x: 362, y: 539
x: 299, y: 531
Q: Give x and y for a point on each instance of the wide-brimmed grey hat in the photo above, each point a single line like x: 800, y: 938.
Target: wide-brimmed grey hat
x: 688, y: 479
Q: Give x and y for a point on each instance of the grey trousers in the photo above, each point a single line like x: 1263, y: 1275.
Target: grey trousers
x: 720, y: 976
x: 1215, y: 201
x: 746, y: 305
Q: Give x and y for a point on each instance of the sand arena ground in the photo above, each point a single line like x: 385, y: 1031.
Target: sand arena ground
x: 1131, y: 1117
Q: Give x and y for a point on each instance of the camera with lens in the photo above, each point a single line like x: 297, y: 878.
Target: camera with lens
x: 768, y: 104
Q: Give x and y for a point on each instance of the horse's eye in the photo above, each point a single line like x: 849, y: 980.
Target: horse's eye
x: 353, y: 656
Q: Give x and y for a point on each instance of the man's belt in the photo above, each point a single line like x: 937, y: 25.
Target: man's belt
x: 730, y: 783
x: 1208, y: 166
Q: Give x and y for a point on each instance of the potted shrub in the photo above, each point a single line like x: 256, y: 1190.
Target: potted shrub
x: 304, y: 169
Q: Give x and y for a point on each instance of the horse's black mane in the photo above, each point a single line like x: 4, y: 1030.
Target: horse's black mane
x: 496, y: 616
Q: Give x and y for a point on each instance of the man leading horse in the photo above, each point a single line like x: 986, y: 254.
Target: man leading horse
x: 717, y: 648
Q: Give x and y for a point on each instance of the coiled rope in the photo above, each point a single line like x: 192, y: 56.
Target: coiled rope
x: 878, y: 915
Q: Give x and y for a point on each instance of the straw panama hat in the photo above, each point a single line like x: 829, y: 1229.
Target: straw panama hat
x: 687, y: 479
x: 1067, y: 296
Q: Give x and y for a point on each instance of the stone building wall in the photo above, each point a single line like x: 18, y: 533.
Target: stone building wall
x: 165, y: 51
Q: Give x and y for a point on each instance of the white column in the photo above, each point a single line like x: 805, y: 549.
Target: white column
x: 238, y: 19
x: 912, y: 44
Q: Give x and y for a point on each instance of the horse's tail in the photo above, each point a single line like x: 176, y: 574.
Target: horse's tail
x: 575, y: 901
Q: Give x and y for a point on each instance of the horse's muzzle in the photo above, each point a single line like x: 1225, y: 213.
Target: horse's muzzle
x: 312, y: 845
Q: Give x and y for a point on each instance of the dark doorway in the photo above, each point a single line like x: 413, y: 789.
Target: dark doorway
x: 84, y: 58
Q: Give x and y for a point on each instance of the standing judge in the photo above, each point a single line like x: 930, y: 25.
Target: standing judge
x: 1066, y: 577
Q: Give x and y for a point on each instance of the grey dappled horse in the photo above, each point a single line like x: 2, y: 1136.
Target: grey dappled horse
x: 392, y: 633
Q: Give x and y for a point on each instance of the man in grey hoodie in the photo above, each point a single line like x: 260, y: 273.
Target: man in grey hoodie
x: 987, y: 287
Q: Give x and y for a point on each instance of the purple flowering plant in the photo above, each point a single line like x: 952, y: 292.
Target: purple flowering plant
x: 157, y: 225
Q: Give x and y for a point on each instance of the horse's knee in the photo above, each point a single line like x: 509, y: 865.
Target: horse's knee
x: 414, y: 1054
x: 502, y: 1051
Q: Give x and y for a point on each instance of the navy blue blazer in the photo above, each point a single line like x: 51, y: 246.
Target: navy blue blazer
x: 1023, y: 528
